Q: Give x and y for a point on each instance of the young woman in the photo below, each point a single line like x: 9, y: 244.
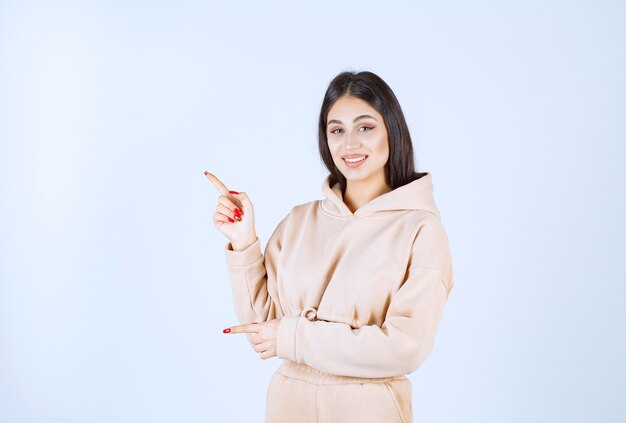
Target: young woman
x: 350, y: 289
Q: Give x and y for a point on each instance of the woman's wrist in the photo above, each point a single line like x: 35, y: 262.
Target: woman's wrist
x: 242, y: 246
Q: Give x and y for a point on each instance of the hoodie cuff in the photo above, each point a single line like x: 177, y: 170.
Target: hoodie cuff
x: 244, y: 257
x: 286, y: 338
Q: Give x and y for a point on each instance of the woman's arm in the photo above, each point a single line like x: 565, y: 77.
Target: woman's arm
x: 253, y: 278
x: 407, y: 335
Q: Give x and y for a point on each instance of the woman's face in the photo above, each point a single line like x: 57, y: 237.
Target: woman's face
x: 356, y: 129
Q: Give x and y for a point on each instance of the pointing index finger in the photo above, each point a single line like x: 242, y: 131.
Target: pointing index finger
x: 249, y: 328
x: 221, y: 188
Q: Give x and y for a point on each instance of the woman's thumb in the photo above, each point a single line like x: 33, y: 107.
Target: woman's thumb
x: 245, y: 201
x: 242, y: 198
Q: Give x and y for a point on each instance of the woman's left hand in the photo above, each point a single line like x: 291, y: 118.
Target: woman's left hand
x: 263, y: 336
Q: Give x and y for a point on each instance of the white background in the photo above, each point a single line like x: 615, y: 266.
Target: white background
x: 113, y: 283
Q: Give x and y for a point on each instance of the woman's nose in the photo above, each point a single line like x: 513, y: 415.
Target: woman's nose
x: 352, y: 141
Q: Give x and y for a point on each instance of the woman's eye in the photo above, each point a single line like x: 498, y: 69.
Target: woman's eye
x: 334, y: 131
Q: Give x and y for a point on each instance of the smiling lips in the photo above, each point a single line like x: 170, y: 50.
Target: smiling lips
x: 354, y: 160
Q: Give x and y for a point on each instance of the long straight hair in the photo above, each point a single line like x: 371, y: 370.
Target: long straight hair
x: 400, y: 167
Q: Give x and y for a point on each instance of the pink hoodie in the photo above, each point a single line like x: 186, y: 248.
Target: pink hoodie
x: 358, y: 294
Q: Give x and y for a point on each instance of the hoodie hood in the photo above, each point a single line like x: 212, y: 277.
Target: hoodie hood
x: 416, y: 195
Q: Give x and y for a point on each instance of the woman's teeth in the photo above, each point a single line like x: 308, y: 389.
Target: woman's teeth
x: 354, y: 162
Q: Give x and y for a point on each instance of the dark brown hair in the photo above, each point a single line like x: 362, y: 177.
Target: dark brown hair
x: 400, y: 167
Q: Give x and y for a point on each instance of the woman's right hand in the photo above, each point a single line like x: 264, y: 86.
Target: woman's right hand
x: 237, y: 227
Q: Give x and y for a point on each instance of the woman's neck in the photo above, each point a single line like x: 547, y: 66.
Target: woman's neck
x: 363, y: 191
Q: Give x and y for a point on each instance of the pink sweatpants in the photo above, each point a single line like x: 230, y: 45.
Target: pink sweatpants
x: 298, y: 393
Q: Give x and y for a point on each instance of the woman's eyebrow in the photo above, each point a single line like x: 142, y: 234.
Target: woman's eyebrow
x: 355, y: 119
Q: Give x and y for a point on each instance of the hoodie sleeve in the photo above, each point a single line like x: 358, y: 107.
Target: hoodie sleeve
x: 253, y: 278
x: 405, y: 338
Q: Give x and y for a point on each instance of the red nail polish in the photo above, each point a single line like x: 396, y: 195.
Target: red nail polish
x: 206, y: 173
x: 230, y: 220
x: 233, y: 192
x: 227, y: 330
x: 237, y: 211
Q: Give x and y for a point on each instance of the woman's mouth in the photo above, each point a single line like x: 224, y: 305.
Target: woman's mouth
x: 355, y: 161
